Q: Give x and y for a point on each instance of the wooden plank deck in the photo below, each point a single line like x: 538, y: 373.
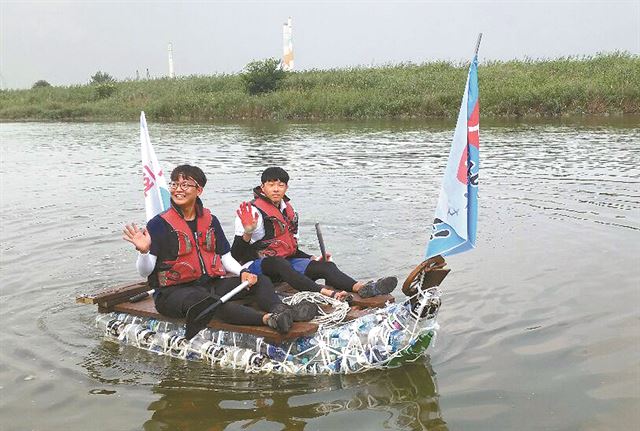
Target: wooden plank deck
x: 146, y: 308
x: 118, y: 300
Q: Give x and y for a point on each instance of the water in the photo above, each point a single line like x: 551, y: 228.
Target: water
x: 540, y: 324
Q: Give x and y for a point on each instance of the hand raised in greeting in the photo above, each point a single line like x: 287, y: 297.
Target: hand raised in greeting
x: 138, y: 237
x: 247, y: 217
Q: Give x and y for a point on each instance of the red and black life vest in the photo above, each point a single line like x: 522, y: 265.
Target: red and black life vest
x: 195, y: 255
x: 280, y: 240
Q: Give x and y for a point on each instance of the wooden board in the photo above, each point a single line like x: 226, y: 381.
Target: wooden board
x: 146, y: 308
x: 373, y: 302
x: 435, y: 277
x: 111, y: 297
x: 118, y: 300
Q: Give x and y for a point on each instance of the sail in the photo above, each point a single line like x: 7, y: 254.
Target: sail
x: 455, y: 223
x: 156, y: 194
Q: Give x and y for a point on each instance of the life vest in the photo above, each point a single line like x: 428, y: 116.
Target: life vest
x: 195, y: 255
x: 282, y: 242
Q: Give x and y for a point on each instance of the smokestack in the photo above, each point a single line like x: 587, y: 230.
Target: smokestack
x: 170, y: 49
x: 287, y: 45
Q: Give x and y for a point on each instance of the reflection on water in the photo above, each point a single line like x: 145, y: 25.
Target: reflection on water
x: 195, y: 396
x: 539, y: 324
x: 405, y: 397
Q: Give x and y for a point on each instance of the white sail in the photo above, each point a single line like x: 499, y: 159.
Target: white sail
x: 156, y: 194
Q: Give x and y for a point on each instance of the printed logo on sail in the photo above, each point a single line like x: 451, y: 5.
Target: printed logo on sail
x: 148, y: 178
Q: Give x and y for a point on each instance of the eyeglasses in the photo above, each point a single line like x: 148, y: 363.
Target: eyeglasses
x: 183, y: 186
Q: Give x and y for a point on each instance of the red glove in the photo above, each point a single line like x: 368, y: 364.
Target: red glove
x: 248, y: 219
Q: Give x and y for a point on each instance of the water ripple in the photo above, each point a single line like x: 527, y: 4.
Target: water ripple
x: 538, y: 319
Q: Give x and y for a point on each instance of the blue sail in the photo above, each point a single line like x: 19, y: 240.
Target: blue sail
x: 456, y: 218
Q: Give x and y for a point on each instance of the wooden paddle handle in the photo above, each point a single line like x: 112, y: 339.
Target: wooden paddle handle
x: 140, y: 296
x: 323, y: 249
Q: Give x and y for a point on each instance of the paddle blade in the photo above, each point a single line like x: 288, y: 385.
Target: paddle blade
x: 198, y: 316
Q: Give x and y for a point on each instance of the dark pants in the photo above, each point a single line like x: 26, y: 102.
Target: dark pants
x: 278, y: 268
x: 175, y: 301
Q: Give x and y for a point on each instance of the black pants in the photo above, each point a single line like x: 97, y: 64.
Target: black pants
x: 175, y: 301
x: 279, y: 269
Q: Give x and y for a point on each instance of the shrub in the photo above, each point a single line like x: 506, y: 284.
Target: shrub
x: 262, y: 76
x: 105, y: 90
x: 41, y: 84
x: 101, y: 78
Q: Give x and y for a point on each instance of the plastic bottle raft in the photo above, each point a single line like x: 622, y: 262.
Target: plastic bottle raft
x: 378, y: 338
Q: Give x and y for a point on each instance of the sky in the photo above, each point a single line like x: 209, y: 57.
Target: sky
x: 65, y: 42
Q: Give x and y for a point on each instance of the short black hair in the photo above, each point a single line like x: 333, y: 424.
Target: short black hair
x: 188, y: 171
x: 275, y: 173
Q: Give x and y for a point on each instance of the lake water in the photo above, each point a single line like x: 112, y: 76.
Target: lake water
x: 540, y: 325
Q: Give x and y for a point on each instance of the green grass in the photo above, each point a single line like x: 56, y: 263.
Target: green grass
x: 599, y: 85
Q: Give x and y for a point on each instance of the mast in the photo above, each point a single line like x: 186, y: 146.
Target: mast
x: 478, y: 44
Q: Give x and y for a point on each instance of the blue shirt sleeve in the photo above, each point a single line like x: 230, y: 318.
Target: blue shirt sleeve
x: 222, y: 244
x: 157, y: 232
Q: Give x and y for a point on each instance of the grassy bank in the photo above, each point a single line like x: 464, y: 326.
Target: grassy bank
x: 604, y: 84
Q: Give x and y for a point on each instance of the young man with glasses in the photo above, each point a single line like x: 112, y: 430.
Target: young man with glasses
x: 266, y: 233
x: 186, y: 258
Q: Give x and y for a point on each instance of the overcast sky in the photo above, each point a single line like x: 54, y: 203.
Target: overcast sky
x: 66, y: 42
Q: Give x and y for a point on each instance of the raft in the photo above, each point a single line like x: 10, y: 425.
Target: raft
x: 371, y: 333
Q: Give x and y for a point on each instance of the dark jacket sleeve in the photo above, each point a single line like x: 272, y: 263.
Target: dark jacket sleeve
x: 222, y: 245
x: 163, y: 245
x: 301, y: 254
x: 242, y: 250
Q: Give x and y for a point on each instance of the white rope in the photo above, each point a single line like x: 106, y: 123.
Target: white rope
x: 324, y: 319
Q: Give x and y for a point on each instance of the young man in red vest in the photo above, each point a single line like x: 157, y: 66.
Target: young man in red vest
x: 185, y: 255
x: 267, y: 233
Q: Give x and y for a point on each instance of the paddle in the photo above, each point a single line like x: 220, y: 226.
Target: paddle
x: 323, y: 249
x: 199, y: 314
x: 140, y: 296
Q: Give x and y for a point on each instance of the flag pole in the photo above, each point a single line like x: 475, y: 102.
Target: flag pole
x: 478, y: 43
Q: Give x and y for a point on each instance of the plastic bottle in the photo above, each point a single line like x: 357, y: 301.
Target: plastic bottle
x: 377, y: 336
x: 417, y: 348
x: 305, y: 345
x: 336, y: 366
x: 162, y: 341
x: 197, y: 342
x: 312, y: 368
x: 396, y: 340
x: 376, y: 355
x: 103, y: 321
x: 242, y: 358
x: 214, y: 353
x: 129, y: 318
x: 399, y: 317
x: 176, y: 343
x: 156, y: 343
x: 235, y: 339
x: 256, y: 359
x: 275, y: 353
x: 131, y: 332
x: 366, y: 322
x: 115, y: 327
x: 340, y: 337
x: 145, y: 337
x: 433, y: 306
